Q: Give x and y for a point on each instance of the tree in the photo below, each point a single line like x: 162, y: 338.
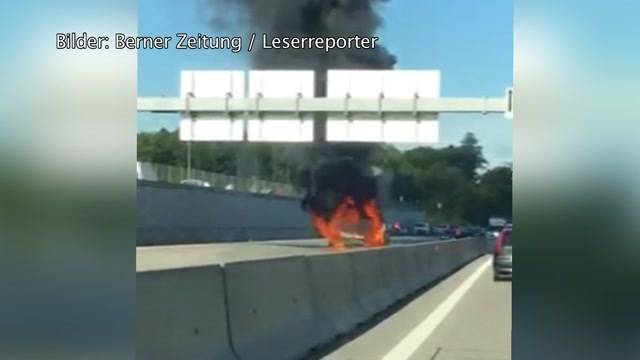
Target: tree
x: 496, y: 186
x: 453, y: 176
x: 468, y: 156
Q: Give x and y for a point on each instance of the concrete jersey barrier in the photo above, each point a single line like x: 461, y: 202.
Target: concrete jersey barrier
x: 370, y: 283
x: 333, y: 291
x: 395, y: 273
x: 426, y: 264
x: 282, y: 308
x: 412, y: 267
x: 181, y: 314
x: 270, y: 310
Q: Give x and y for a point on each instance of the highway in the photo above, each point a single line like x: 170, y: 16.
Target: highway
x: 418, y: 298
x: 466, y: 316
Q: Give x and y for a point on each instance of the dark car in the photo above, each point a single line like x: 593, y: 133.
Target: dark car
x: 443, y: 231
x: 458, y: 232
x: 476, y: 231
x: 503, y: 256
x: 464, y: 231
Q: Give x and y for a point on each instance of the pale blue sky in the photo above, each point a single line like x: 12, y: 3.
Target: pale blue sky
x: 470, y: 42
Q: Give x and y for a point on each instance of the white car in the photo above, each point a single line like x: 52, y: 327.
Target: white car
x: 421, y: 229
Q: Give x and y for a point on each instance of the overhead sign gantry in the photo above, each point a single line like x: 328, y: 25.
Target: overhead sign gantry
x: 362, y: 105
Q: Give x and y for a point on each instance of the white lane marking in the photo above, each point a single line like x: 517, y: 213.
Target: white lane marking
x: 407, y: 346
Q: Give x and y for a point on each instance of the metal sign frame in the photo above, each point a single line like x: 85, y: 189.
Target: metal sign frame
x: 347, y: 105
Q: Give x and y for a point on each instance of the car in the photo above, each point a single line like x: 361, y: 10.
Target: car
x: 491, y: 235
x: 494, y: 231
x: 397, y: 228
x: 503, y: 255
x: 439, y: 229
x: 421, y: 229
x: 476, y: 231
x: 443, y: 231
x: 461, y: 232
x: 195, y: 182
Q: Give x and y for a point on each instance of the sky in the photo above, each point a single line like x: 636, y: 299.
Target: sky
x: 470, y: 42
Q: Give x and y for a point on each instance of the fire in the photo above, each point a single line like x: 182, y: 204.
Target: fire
x: 348, y: 218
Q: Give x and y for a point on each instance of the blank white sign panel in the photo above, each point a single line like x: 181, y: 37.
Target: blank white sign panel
x: 281, y: 127
x: 211, y: 129
x: 424, y: 131
x: 396, y: 130
x: 204, y: 84
x: 398, y: 84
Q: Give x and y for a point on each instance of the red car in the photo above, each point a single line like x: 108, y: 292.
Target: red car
x: 503, y: 255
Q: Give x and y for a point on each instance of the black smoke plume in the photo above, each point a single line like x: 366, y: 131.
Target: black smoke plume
x: 308, y: 18
x: 333, y: 179
x: 333, y: 171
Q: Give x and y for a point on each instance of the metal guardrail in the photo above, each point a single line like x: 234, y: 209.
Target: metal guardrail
x: 175, y: 175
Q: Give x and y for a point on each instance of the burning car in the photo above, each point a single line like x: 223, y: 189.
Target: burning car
x: 342, y: 201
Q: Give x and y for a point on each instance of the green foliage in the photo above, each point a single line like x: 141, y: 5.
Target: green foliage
x: 451, y: 184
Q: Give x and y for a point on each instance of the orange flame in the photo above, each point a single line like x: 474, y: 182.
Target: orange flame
x: 347, y: 217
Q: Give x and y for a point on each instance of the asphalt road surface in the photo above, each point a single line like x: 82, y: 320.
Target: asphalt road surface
x: 466, y: 316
